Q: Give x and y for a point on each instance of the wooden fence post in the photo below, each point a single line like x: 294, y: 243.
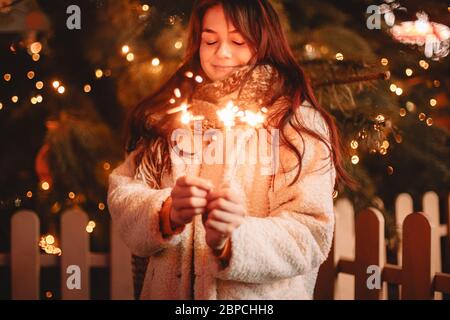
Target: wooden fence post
x: 417, y: 270
x: 370, y: 251
x: 324, y: 289
x: 75, y: 253
x: 345, y: 248
x: 25, y: 263
x: 403, y: 207
x: 431, y: 210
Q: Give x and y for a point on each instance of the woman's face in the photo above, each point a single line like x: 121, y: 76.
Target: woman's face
x: 222, y: 48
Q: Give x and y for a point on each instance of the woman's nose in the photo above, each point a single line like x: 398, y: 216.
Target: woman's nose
x: 224, y: 51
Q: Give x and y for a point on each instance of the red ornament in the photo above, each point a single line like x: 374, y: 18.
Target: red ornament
x: 35, y: 20
x: 41, y: 165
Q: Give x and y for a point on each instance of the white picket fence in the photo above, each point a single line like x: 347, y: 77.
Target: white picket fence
x: 26, y: 258
x: 355, y: 245
x: 345, y: 270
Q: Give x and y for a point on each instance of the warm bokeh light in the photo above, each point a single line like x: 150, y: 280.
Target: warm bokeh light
x: 155, y: 62
x: 339, y: 56
x: 39, y: 85
x: 45, y: 185
x: 36, y: 47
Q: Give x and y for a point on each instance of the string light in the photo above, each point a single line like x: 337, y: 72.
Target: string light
x: 39, y: 98
x: 424, y: 64
x: 355, y: 159
x: 35, y: 57
x: 155, y: 62
x: 50, y: 239
x: 45, y: 186
x: 99, y: 73
x: 39, y: 85
x: 55, y: 208
x: 29, y: 194
x: 429, y: 122
x: 48, y: 294
x: 409, y: 72
x: 189, y: 74
x: 30, y: 75
x: 433, y: 102
x: 436, y: 83
x: 177, y: 93
x: 7, y: 77
x: 199, y: 79
x: 384, y: 61
x: 90, y: 226
x: 48, y: 244
x: 35, y: 47
x: 71, y: 195
x: 399, y: 91
x: 393, y: 87
x: 61, y: 90
x: 398, y: 138
x: 410, y: 106
x: 145, y: 7
x: 422, y: 116
x: 339, y: 56
x: 380, y: 118
x: 390, y: 170
x: 14, y: 99
x: 101, y: 206
x: 33, y: 100
x: 130, y: 57
x: 402, y: 112
x: 178, y: 45
x: 87, y: 88
x: 125, y: 49
x: 55, y: 84
x: 354, y: 144
x: 1, y: 106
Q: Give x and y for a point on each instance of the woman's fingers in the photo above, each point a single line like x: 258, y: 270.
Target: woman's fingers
x: 192, y: 181
x: 224, y: 228
x: 187, y: 203
x: 186, y: 192
x: 226, y: 217
x: 225, y: 205
x: 225, y: 193
x: 190, y: 213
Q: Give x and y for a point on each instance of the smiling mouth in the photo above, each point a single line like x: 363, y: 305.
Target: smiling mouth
x: 224, y: 67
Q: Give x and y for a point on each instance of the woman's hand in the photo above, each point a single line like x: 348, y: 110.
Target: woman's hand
x: 188, y: 199
x: 225, y: 212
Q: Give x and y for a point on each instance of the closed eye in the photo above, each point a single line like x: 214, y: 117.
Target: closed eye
x: 235, y: 42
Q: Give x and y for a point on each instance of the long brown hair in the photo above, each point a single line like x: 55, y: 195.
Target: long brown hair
x: 260, y: 26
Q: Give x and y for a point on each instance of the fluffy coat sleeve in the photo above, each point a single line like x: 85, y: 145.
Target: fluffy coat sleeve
x: 135, y: 207
x: 296, y: 235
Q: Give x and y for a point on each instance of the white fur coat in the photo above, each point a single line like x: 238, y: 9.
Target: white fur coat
x: 276, y: 252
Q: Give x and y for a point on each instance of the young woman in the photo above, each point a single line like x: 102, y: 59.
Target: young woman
x: 260, y: 236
